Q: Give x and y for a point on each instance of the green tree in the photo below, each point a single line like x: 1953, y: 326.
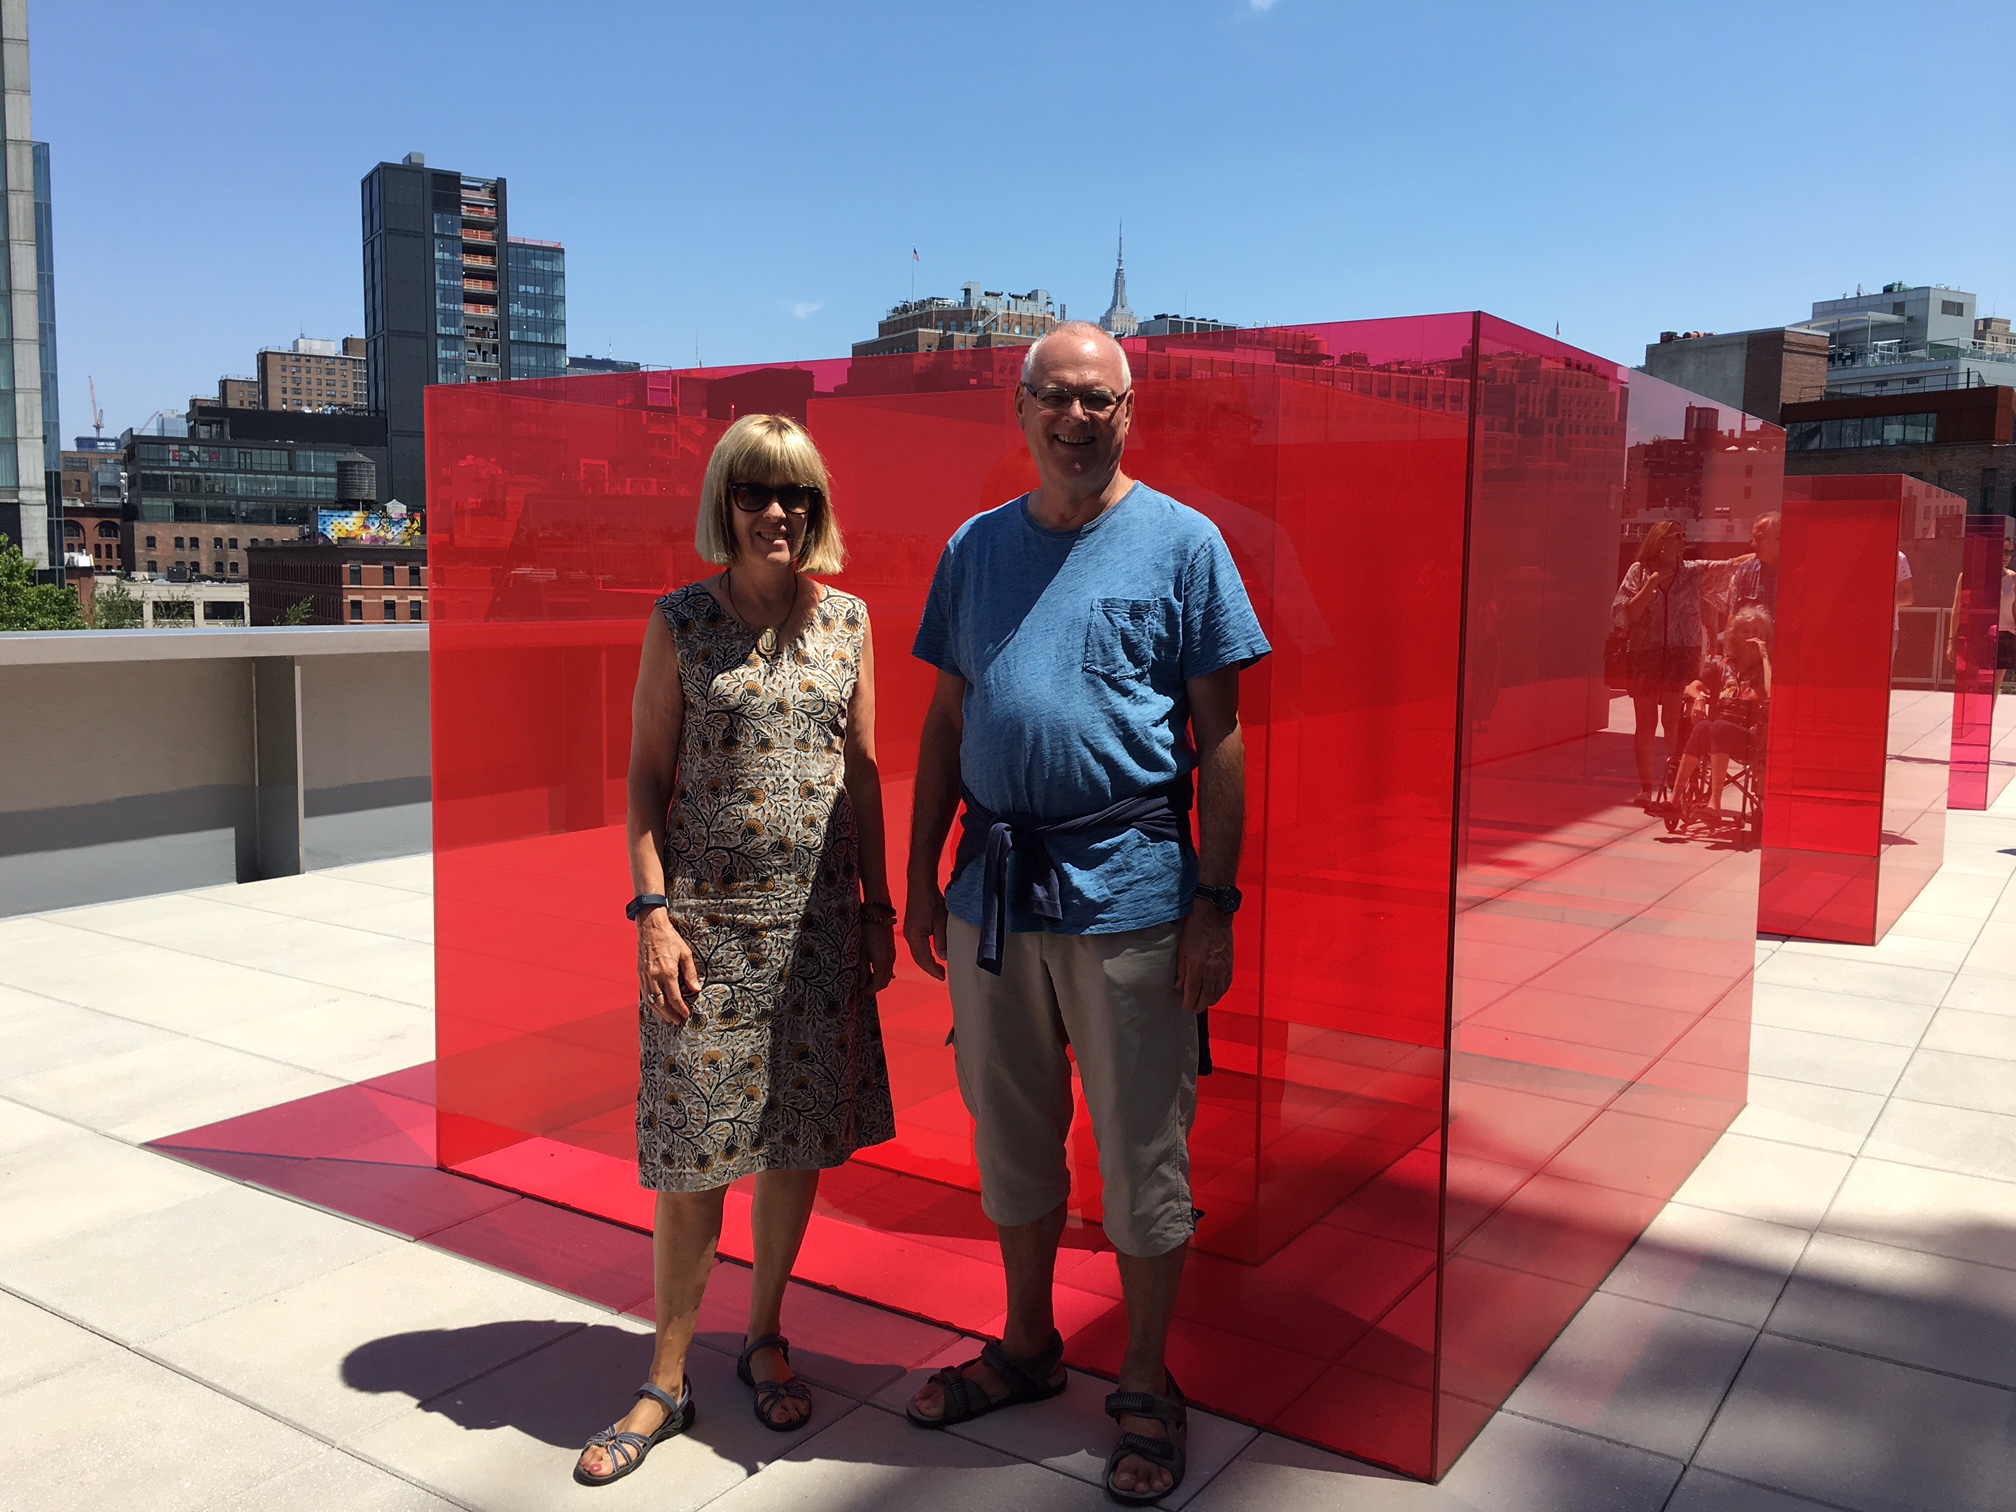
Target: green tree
x: 28, y: 605
x: 300, y: 613
x: 113, y: 606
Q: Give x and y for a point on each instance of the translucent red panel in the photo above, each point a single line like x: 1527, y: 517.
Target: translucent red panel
x: 1984, y: 716
x: 1487, y: 1015
x: 1861, y: 724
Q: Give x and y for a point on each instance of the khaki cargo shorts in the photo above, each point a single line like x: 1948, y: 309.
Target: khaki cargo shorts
x: 1113, y: 997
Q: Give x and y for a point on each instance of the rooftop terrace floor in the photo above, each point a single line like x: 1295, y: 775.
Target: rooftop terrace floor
x: 1825, y: 1315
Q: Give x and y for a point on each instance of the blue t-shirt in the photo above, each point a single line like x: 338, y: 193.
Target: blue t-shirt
x: 1075, y: 646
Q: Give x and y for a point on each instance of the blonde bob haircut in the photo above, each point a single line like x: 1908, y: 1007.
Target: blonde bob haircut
x: 771, y: 449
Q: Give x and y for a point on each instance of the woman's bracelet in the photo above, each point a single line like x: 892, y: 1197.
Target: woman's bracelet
x: 877, y: 913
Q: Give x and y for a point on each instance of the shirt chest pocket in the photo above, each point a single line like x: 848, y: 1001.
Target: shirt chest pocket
x: 1125, y: 638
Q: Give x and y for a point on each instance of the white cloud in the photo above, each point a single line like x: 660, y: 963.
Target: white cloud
x: 1260, y: 5
x: 805, y: 307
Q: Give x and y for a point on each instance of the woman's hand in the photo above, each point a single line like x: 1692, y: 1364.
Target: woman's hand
x: 666, y: 969
x: 878, y: 952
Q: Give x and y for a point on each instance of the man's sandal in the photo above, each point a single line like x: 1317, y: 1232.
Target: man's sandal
x: 626, y: 1450
x: 1171, y: 1453
x: 1027, y: 1380
x: 770, y: 1395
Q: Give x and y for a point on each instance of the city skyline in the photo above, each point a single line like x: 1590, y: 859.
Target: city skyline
x: 1347, y: 180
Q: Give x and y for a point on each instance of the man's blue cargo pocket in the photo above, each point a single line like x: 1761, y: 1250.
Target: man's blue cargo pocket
x: 1123, y: 637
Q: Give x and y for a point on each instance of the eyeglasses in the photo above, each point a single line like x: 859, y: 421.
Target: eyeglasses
x: 1056, y: 398
x: 754, y: 498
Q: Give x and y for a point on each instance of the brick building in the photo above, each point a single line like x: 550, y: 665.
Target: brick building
x: 978, y: 318
x: 344, y: 583
x: 1961, y: 440
x: 313, y: 375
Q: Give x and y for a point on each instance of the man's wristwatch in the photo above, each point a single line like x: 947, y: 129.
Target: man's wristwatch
x: 1225, y: 899
x: 642, y: 904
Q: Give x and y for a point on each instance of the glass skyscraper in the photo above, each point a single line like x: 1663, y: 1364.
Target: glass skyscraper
x: 536, y: 272
x: 27, y: 314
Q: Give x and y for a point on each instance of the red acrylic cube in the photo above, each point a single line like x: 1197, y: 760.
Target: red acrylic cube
x: 1487, y: 1015
x: 1861, y: 726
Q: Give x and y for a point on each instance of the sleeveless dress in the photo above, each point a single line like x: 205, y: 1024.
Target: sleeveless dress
x: 780, y: 1065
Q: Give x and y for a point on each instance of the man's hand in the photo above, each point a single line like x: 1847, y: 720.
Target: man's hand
x: 1204, y: 957
x: 666, y: 969
x: 924, y: 926
x: 878, y: 953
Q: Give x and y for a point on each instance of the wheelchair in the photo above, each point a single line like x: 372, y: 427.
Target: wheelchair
x: 1745, y: 778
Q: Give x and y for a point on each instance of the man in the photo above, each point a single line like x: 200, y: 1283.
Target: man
x: 1756, y: 580
x: 1088, y: 639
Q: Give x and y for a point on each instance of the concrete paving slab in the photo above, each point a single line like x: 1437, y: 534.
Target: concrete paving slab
x: 156, y: 1272
x: 1862, y: 1433
x: 41, y: 1345
x: 21, y: 1127
x: 1760, y: 1178
x: 1806, y: 1113
x: 351, y: 1037
x: 357, y: 1347
x: 1986, y: 1083
x: 1637, y: 1373
x: 1904, y: 1305
x: 1894, y: 984
x: 337, y: 1481
x: 1705, y: 1491
x: 1982, y: 992
x: 164, y: 1088
x: 42, y: 1034
x: 1968, y: 1033
x: 1827, y: 1060
x: 1938, y: 1212
x: 873, y: 1459
x: 177, y: 1444
x: 64, y: 1188
x: 509, y: 1438
x: 1845, y: 1014
x: 1718, y: 1264
x: 1954, y: 1139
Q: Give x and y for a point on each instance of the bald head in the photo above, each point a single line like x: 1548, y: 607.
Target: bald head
x: 1077, y: 343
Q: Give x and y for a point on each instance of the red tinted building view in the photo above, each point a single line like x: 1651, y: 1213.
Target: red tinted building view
x: 1861, y: 727
x: 1983, y: 652
x: 1489, y: 1012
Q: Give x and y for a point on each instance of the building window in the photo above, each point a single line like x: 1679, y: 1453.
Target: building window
x: 1952, y: 307
x: 234, y: 543
x: 417, y: 610
x: 178, y: 543
x: 389, y: 570
x: 152, y: 565
x: 357, y: 609
x: 234, y: 565
x: 357, y: 574
x: 391, y: 609
x: 150, y: 543
x: 1861, y: 430
x: 413, y: 576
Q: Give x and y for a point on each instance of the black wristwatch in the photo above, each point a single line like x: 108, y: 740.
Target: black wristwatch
x: 1226, y: 899
x: 642, y: 904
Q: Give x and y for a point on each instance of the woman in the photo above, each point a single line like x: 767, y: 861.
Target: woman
x: 755, y: 837
x: 1658, y: 606
x: 1729, y: 704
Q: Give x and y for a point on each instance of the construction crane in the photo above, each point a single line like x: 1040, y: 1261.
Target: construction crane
x: 97, y: 415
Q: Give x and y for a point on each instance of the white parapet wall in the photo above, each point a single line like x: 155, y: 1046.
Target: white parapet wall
x: 143, y: 761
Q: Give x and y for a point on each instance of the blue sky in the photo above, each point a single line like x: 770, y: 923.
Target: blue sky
x: 748, y: 180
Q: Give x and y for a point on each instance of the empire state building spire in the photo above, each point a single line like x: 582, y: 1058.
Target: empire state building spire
x: 1118, y: 319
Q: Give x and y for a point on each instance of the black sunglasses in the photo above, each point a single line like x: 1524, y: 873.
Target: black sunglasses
x: 754, y: 498
x: 1056, y: 398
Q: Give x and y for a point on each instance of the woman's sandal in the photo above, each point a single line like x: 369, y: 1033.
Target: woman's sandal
x: 1171, y: 1453
x: 770, y: 1395
x: 1027, y: 1381
x: 626, y: 1450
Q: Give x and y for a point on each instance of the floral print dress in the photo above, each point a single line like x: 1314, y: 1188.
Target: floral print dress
x: 780, y: 1064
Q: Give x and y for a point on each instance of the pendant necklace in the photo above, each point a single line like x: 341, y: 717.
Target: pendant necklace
x: 766, y: 639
